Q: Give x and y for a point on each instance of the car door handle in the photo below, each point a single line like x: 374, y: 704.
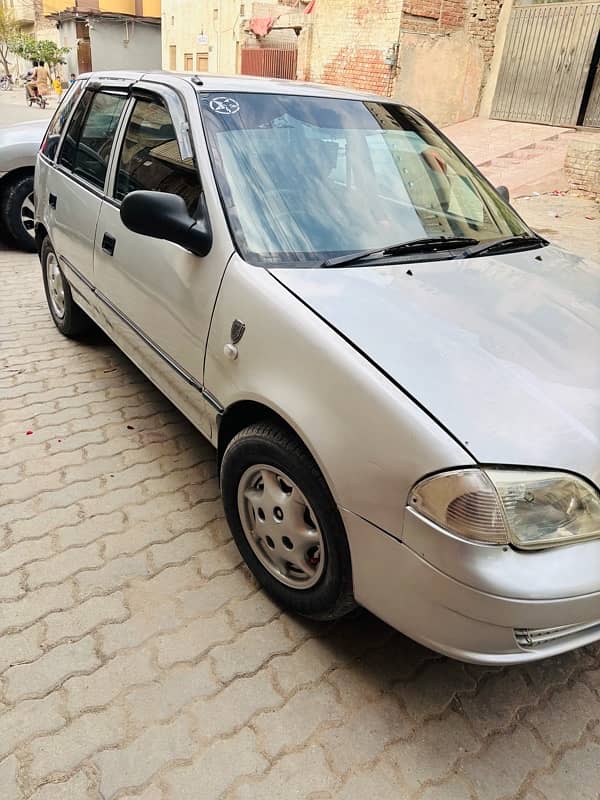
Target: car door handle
x: 52, y: 200
x: 108, y: 244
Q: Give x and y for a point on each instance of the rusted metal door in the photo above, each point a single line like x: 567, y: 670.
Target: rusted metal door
x: 270, y: 62
x: 546, y: 62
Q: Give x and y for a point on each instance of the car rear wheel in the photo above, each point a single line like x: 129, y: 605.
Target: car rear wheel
x: 285, y: 522
x: 17, y: 211
x: 68, y: 317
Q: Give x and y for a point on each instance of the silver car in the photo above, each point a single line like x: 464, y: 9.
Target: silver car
x: 401, y: 379
x: 19, y: 145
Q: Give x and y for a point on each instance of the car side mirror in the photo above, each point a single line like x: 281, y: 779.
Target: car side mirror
x: 504, y: 193
x: 165, y: 216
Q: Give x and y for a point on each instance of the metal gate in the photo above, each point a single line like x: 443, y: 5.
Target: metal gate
x: 270, y: 62
x: 546, y: 62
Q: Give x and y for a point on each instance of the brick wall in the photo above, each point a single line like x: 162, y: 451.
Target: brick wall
x: 346, y: 42
x: 433, y: 16
x: 482, y: 23
x: 582, y: 165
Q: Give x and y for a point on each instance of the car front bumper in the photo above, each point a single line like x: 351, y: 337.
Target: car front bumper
x: 479, y: 603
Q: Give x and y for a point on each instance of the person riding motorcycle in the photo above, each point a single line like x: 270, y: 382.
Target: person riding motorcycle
x: 37, y: 82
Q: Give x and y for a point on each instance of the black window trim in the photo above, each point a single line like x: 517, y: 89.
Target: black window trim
x: 46, y: 158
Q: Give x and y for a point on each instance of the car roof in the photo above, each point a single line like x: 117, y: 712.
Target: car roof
x: 209, y: 82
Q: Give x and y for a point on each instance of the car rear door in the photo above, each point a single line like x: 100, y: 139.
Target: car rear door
x: 162, y: 295
x: 76, y: 184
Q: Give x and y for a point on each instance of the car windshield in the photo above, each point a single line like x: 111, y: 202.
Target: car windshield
x: 305, y: 179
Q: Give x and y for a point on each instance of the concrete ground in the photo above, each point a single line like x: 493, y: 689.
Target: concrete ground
x: 14, y: 108
x: 138, y: 658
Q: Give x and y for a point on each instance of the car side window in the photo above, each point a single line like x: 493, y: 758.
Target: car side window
x: 52, y: 137
x: 90, y: 136
x: 150, y: 158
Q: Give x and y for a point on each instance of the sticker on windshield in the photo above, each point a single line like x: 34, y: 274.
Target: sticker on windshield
x: 224, y: 105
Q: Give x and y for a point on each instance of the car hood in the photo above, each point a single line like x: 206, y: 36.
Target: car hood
x: 503, y: 351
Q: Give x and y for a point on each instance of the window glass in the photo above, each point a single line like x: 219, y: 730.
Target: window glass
x: 59, y: 119
x: 89, y: 139
x: 150, y: 157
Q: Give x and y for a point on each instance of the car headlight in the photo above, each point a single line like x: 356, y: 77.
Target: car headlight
x: 527, y: 508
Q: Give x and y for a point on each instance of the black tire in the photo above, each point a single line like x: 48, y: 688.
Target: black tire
x: 74, y: 323
x: 14, y: 193
x: 271, y: 444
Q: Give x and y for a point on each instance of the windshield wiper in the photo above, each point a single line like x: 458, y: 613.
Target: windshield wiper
x: 507, y: 243
x: 429, y: 244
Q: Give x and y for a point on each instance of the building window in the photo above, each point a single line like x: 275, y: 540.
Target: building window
x: 172, y: 56
x: 188, y: 62
x: 201, y: 62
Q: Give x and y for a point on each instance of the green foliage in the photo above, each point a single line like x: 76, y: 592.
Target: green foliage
x: 42, y: 50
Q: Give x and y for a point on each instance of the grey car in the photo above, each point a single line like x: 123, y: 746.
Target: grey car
x: 401, y: 379
x: 19, y: 145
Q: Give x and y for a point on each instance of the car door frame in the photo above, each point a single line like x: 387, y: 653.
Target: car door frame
x: 179, y: 385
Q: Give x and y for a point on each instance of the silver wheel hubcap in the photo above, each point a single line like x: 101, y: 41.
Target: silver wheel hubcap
x: 281, y: 527
x: 56, y: 286
x: 28, y: 215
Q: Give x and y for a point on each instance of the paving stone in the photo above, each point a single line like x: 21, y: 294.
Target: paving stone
x: 505, y: 763
x: 432, y: 751
x: 453, y: 788
x: 139, y: 628
x: 563, y: 717
x: 495, y: 705
x: 90, y: 529
x: 307, y: 664
x: 63, y: 565
x: 25, y: 552
x: 19, y: 647
x: 39, y: 525
x: 214, y: 594
x: 193, y: 640
x: 85, y: 617
x: 103, y: 685
x: 371, y: 730
x: 255, y: 610
x: 235, y: 705
x: 379, y: 783
x: 304, y: 774
x: 65, y: 750
x: 218, y: 767
x: 50, y: 670
x: 113, y: 575
x: 8, y: 779
x: 11, y: 586
x: 251, y: 649
x: 34, y: 606
x: 171, y: 692
x: 27, y: 719
x: 290, y: 726
x: 434, y: 689
x: 76, y: 787
x: 576, y: 772
x: 133, y: 765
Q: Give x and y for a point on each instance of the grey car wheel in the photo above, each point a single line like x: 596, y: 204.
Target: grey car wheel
x: 68, y: 317
x: 56, y: 286
x: 280, y: 526
x: 285, y: 522
x: 28, y: 216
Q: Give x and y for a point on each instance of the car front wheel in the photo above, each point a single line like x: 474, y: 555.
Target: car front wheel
x: 17, y: 211
x: 285, y: 522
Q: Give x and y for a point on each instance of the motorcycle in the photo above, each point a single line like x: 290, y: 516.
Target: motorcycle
x: 34, y: 97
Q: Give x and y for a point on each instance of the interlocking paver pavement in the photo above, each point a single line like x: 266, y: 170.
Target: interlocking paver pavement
x: 138, y: 658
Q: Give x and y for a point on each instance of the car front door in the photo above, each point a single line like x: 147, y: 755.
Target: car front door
x: 161, y: 295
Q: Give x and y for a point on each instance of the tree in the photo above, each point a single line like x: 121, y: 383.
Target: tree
x: 44, y: 50
x: 9, y: 30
